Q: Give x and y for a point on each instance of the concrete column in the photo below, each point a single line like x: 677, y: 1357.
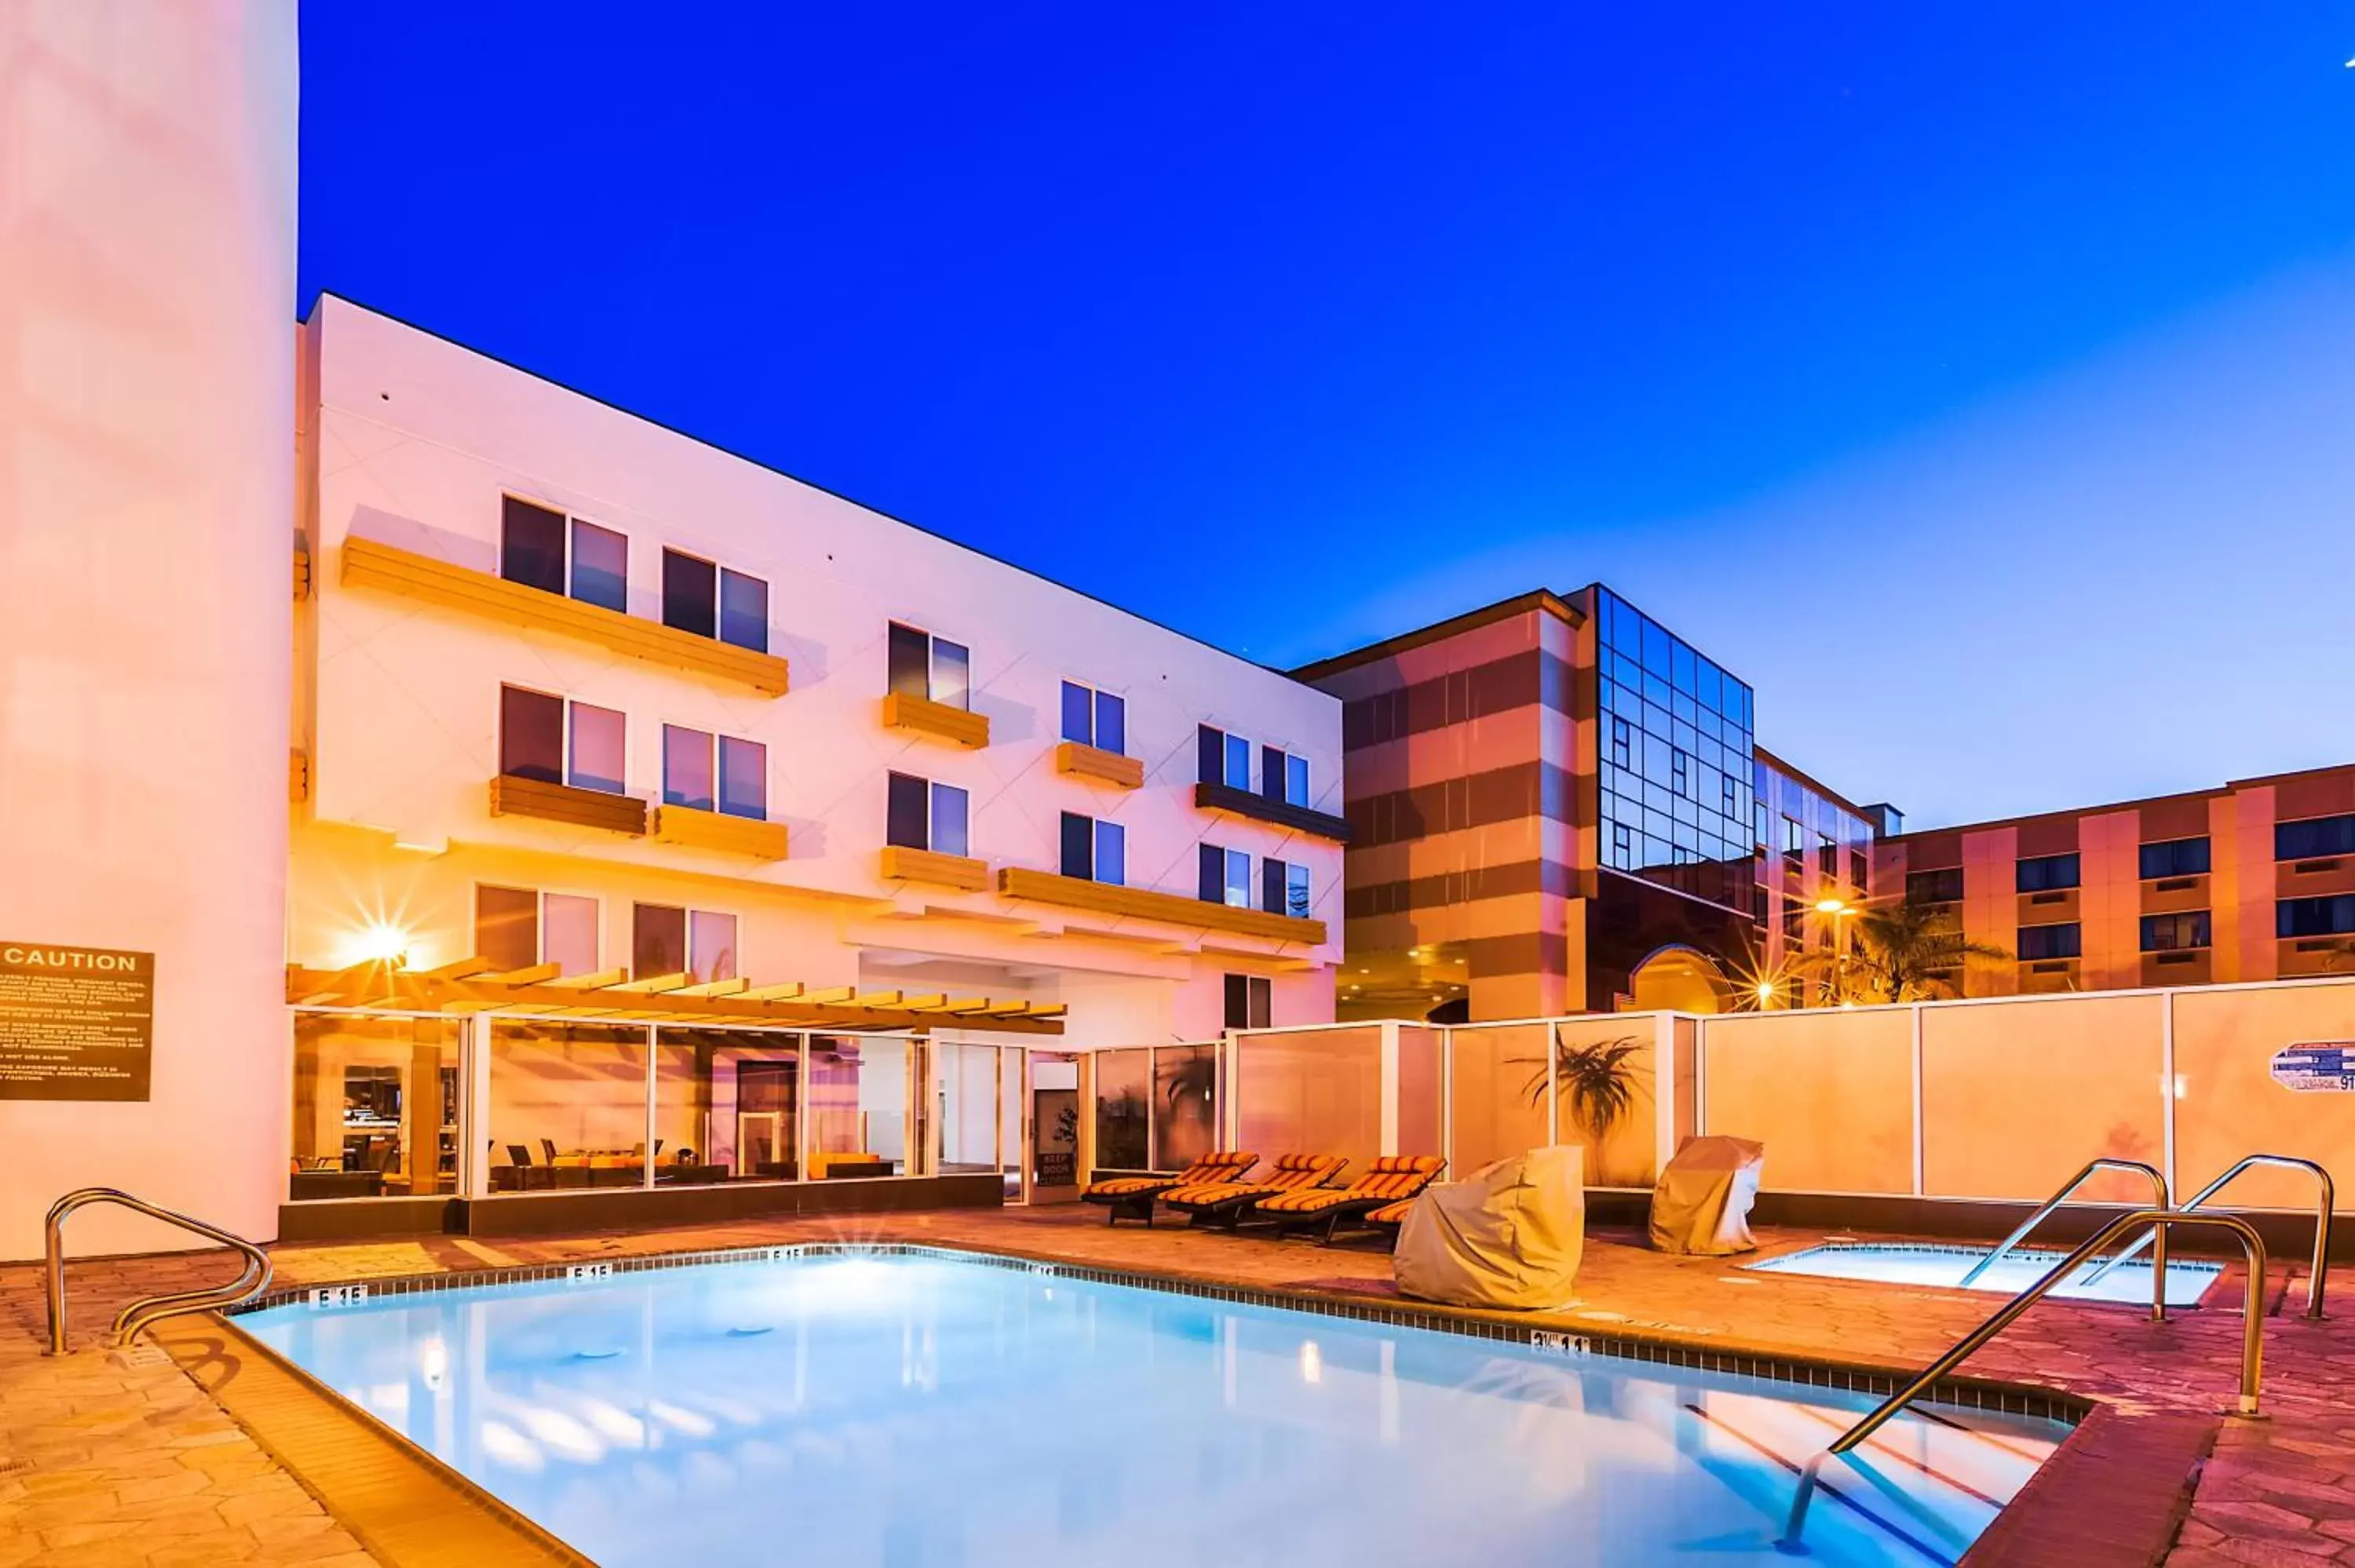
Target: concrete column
x: 146, y: 516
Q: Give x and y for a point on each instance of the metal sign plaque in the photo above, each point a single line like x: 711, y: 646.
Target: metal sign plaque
x: 2316, y: 1067
x: 75, y: 1022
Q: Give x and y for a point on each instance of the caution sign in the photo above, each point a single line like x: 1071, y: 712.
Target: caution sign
x: 2316, y: 1067
x: 76, y: 1024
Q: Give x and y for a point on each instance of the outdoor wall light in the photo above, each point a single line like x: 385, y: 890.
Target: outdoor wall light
x: 380, y: 942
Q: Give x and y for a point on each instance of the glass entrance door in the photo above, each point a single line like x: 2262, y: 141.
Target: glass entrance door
x: 1053, y: 1165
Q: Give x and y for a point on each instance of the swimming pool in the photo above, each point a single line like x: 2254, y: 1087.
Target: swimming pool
x: 1923, y: 1263
x: 928, y: 1411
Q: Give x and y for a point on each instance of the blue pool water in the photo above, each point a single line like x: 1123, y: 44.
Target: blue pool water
x: 922, y: 1412
x: 1899, y: 1263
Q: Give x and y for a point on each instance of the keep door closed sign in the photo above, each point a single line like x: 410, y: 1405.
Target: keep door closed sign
x: 76, y: 1024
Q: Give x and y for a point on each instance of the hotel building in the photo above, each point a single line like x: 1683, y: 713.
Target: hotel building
x: 2253, y: 880
x: 1559, y: 805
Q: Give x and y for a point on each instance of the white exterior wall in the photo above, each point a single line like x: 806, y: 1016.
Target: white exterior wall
x: 418, y: 440
x: 146, y: 407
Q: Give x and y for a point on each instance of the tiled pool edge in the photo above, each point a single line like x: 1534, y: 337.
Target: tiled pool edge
x: 2223, y: 1290
x: 370, y: 1478
x: 1552, y: 1333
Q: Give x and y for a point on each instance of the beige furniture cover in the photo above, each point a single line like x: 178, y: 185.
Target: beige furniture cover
x: 1507, y: 1236
x: 1701, y: 1203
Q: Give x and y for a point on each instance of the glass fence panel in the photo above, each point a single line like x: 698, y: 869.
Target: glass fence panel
x: 568, y: 1105
x: 375, y: 1107
x: 1311, y: 1092
x: 2017, y: 1096
x: 1419, y: 1090
x: 1830, y: 1093
x: 1499, y: 1088
x: 1123, y: 1087
x: 969, y: 1107
x: 1185, y: 1104
x: 2229, y: 1104
x: 860, y: 1107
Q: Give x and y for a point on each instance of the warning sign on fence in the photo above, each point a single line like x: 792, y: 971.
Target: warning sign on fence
x: 2311, y: 1066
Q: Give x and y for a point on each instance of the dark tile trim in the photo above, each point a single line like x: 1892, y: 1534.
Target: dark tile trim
x: 1212, y: 796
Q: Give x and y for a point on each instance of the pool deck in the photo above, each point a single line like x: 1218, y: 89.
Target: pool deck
x: 106, y: 1461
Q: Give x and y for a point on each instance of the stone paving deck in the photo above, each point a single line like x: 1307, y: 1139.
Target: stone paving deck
x: 134, y: 1465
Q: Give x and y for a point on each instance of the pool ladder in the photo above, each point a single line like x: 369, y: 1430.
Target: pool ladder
x: 148, y: 1311
x: 2157, y: 1220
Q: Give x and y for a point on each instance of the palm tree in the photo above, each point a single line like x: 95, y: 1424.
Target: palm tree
x: 1908, y: 952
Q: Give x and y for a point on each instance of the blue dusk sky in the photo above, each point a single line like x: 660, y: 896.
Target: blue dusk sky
x: 1978, y: 381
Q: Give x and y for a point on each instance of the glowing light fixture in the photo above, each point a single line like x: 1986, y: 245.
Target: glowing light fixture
x: 380, y: 942
x: 1831, y: 906
x: 1766, y: 990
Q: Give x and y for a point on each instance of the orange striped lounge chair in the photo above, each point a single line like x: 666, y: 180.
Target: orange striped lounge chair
x: 1131, y: 1197
x: 1391, y: 1216
x: 1394, y: 1179
x: 1292, y: 1173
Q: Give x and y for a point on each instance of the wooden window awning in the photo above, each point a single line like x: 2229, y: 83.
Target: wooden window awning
x: 477, y: 985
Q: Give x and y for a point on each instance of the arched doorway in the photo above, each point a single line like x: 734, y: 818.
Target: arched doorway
x: 1678, y: 980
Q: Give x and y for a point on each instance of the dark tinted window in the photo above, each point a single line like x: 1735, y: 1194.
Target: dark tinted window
x: 2315, y: 836
x: 1248, y: 1002
x: 2047, y: 874
x: 2329, y: 916
x: 531, y: 734
x: 744, y: 612
x: 2165, y: 933
x: 531, y: 546
x: 657, y: 941
x: 2049, y: 941
x: 1212, y: 869
x: 2176, y: 857
x: 690, y: 594
x: 1273, y: 876
x: 1078, y: 715
x: 1859, y: 872
x: 910, y: 656
x: 909, y: 813
x: 1210, y: 755
x: 1944, y: 885
x: 743, y: 778
x: 507, y: 926
x: 1111, y: 723
x: 1079, y: 846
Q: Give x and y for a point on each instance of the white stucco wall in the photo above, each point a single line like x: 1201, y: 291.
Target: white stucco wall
x: 147, y: 415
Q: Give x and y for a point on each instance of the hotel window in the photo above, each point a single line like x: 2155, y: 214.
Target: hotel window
x: 1944, y: 885
x: 1827, y: 854
x: 1283, y: 889
x: 1094, y: 850
x: 666, y: 940
x: 1860, y: 871
x: 1679, y: 774
x: 1623, y: 846
x: 933, y: 668
x: 1730, y: 802
x: 540, y: 548
x: 712, y: 601
x: 1249, y: 1001
x: 2313, y: 837
x: 2046, y: 874
x: 2166, y: 933
x: 1623, y: 743
x: 1224, y: 758
x: 922, y: 815
x: 560, y: 742
x: 705, y: 772
x: 2329, y: 916
x: 2176, y: 857
x: 517, y: 927
x: 2060, y: 941
x: 1225, y: 876
x: 1283, y: 776
x: 1094, y: 718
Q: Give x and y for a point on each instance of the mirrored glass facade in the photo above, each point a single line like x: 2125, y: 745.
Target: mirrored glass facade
x: 1674, y: 753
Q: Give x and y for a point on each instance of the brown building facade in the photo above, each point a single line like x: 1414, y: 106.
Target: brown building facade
x: 1557, y: 805
x: 2251, y: 881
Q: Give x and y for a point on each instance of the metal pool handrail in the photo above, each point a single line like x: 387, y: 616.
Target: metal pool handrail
x: 151, y: 1309
x: 2252, y: 1348
x: 2158, y: 1189
x: 2321, y: 1221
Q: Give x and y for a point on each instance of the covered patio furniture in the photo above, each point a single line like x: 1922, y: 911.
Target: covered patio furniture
x: 1701, y: 1203
x: 1231, y: 1201
x: 1133, y: 1197
x: 1508, y: 1237
x: 1393, y: 1179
